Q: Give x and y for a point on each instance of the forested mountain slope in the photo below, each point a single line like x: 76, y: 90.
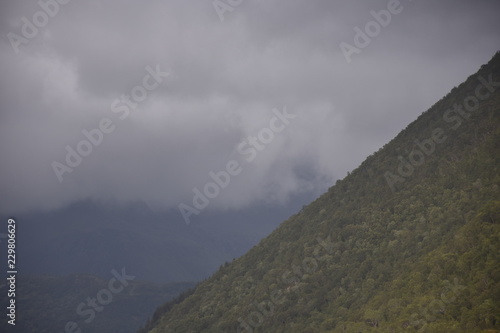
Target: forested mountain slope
x: 409, y: 241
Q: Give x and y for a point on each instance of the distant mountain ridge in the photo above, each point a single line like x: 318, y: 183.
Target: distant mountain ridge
x: 48, y: 304
x: 408, y: 242
x: 92, y: 238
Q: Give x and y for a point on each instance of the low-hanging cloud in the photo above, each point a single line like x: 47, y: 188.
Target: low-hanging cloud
x: 225, y: 78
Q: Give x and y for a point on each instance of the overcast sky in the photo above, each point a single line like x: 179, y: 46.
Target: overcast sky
x: 228, y: 71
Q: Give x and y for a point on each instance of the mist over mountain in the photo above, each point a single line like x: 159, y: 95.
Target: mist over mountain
x: 408, y: 241
x: 214, y: 84
x: 245, y: 147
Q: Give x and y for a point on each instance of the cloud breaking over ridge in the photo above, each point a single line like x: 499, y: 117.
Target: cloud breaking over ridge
x: 225, y: 79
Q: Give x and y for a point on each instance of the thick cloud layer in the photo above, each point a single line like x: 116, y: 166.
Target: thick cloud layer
x: 224, y: 80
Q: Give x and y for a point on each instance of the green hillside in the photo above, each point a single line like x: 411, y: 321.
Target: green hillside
x: 407, y: 242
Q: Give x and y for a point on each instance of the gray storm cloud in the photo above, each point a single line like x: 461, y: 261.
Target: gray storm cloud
x: 225, y: 79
